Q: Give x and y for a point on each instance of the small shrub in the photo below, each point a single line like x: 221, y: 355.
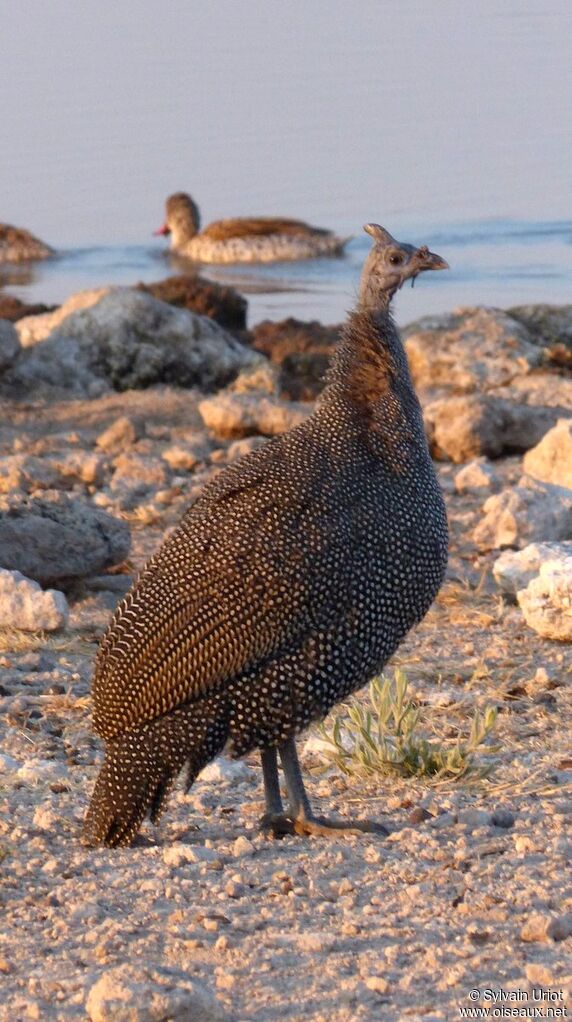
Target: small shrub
x: 384, y: 738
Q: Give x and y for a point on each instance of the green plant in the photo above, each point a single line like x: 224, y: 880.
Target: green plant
x: 384, y: 738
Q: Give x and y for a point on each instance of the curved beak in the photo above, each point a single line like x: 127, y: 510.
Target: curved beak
x: 165, y: 229
x: 432, y: 261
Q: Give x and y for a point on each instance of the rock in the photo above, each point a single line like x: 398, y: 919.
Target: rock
x: 240, y: 415
x: 461, y: 428
x: 547, y: 600
x: 514, y: 569
x: 476, y: 477
x: 25, y: 607
x: 9, y: 344
x: 561, y: 927
x: 242, y: 847
x: 551, y: 459
x: 261, y: 377
x: 26, y: 473
x: 525, y: 513
x: 540, y: 928
x: 180, y: 855
x: 130, y: 993
x: 378, y: 984
x: 181, y: 459
x: 474, y: 818
x: 81, y: 466
x: 13, y: 309
x: 121, y: 434
x: 301, y: 350
x: 56, y: 538
x: 223, y: 769
x: 549, y: 326
x: 240, y: 448
x: 144, y: 470
x: 128, y: 339
x: 223, y: 304
x: 502, y: 818
x: 33, y: 329
x: 468, y: 350
x: 539, y: 975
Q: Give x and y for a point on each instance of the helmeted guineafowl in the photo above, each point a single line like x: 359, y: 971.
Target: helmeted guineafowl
x: 287, y: 585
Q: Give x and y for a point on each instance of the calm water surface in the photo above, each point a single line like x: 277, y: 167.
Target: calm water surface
x: 448, y: 123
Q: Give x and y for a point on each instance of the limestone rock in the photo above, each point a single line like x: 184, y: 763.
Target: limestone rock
x: 133, y: 469
x: 468, y: 350
x: 473, y: 425
x: 26, y: 473
x: 527, y: 513
x: 129, y: 993
x: 547, y: 600
x: 240, y: 415
x: 55, y: 538
x: 26, y: 607
x: 33, y: 329
x: 514, y: 569
x: 128, y: 339
x: 551, y: 459
x: 261, y: 377
x: 478, y: 476
x: 550, y: 326
x: 80, y: 466
x: 120, y: 435
x: 9, y: 344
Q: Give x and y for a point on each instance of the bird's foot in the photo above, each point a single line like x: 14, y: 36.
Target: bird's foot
x: 279, y: 825
x: 320, y: 826
x: 276, y: 825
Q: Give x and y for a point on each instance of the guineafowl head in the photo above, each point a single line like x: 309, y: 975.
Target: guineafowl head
x: 389, y: 264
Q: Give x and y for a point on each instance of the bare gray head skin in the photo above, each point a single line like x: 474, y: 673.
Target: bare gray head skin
x: 182, y: 221
x: 389, y: 264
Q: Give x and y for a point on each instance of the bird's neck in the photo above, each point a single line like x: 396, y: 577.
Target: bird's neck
x: 369, y: 380
x: 371, y: 299
x: 184, y: 226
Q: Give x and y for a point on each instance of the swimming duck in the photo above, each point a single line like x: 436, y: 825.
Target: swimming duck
x: 243, y: 239
x: 19, y: 246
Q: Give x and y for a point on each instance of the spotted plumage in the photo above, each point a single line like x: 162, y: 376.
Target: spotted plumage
x: 243, y: 239
x: 287, y: 585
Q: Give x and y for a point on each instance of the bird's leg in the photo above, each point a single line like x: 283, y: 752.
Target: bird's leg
x: 301, y: 814
x: 275, y: 823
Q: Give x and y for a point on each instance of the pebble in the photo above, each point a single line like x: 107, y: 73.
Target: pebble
x: 539, y: 974
x: 242, y: 847
x: 136, y: 994
x: 474, y: 818
x: 535, y: 929
x: 179, y: 854
x: 378, y: 984
x: 222, y: 769
x: 561, y: 927
x: 502, y: 818
x: 315, y: 941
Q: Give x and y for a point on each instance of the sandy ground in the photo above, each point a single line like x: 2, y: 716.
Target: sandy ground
x: 309, y: 930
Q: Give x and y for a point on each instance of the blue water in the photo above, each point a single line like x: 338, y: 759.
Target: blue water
x: 448, y: 123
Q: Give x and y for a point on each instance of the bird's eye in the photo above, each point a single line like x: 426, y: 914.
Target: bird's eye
x: 395, y: 259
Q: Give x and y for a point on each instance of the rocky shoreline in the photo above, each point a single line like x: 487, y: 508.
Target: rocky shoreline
x: 116, y: 408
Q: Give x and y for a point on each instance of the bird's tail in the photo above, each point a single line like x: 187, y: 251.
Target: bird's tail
x: 141, y: 767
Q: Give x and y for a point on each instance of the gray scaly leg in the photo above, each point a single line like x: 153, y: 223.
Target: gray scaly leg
x: 275, y: 823
x: 301, y: 815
